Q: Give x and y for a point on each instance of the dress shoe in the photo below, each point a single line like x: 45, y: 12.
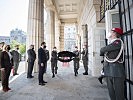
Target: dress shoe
x: 30, y: 76
x: 15, y: 74
x: 86, y: 73
x: 45, y: 82
x: 9, y: 88
x: 5, y: 89
x: 41, y: 83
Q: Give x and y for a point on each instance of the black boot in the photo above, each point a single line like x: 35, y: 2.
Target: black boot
x: 100, y: 79
x: 85, y: 73
x: 53, y: 75
x: 75, y: 73
x: 55, y: 71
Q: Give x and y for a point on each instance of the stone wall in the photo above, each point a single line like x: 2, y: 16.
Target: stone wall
x: 96, y: 31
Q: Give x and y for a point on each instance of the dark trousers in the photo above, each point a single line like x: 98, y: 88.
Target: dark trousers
x: 30, y: 68
x: 76, y: 65
x: 5, y: 77
x: 45, y: 67
x: 85, y: 63
x: 41, y: 72
x: 16, y: 65
x: 116, y: 88
x: 54, y: 66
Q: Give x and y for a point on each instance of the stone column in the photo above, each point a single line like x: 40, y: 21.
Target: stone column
x: 51, y: 29
x: 61, y: 37
x: 85, y: 35
x: 35, y: 30
x: 52, y: 24
x: 57, y: 33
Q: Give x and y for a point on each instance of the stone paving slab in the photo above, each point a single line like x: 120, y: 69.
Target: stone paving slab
x: 65, y: 86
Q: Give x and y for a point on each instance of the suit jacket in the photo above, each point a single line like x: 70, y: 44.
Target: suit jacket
x: 5, y: 60
x: 41, y: 56
x: 31, y: 55
x: 0, y: 57
x: 47, y: 54
x: 114, y: 69
x: 16, y: 56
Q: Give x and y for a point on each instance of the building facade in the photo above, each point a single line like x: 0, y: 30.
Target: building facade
x: 93, y: 20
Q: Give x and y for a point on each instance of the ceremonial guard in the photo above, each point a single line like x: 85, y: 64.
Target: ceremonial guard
x: 113, y: 65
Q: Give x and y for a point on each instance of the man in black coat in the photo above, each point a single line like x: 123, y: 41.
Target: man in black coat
x: 31, y: 60
x: 41, y: 61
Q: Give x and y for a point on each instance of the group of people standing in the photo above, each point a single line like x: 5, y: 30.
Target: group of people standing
x: 43, y: 57
x: 8, y: 60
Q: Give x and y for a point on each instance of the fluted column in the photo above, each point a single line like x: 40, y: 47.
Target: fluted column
x: 35, y: 30
x: 85, y: 35
x: 52, y: 28
x: 62, y: 37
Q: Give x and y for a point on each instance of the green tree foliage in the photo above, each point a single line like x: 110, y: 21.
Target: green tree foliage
x: 22, y: 47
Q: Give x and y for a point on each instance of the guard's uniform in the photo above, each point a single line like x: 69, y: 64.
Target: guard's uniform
x: 76, y: 62
x: 54, y: 63
x: 85, y: 60
x: 114, y: 71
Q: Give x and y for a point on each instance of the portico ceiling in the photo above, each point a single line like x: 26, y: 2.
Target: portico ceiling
x: 66, y: 9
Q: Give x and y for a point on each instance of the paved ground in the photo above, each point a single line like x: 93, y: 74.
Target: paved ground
x: 65, y: 86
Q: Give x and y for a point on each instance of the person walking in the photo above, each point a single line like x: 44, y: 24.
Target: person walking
x: 16, y: 59
x: 54, y: 59
x: 6, y: 66
x: 76, y: 60
x: 41, y: 61
x: 31, y: 60
x: 85, y: 60
x: 113, y: 65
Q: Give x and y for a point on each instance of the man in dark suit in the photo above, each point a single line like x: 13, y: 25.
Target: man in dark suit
x: 6, y: 65
x: 31, y: 60
x: 16, y: 59
x: 41, y: 61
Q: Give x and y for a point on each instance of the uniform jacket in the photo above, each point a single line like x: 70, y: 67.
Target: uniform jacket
x: 84, y: 54
x: 77, y: 57
x: 5, y: 60
x: 114, y: 69
x: 16, y: 56
x: 54, y: 56
x: 41, y: 56
x: 31, y: 55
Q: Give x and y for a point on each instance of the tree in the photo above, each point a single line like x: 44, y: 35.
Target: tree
x: 22, y: 47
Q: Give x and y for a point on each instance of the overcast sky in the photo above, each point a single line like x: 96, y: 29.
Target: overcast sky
x: 13, y: 14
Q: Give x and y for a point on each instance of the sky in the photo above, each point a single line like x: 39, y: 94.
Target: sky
x: 13, y: 14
